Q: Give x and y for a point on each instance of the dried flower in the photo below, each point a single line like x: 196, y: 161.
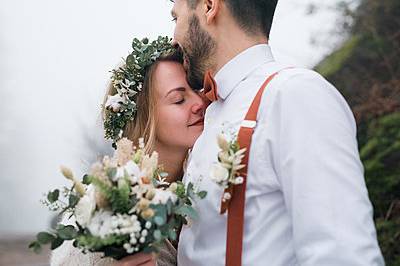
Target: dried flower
x: 150, y: 194
x: 124, y: 151
x: 222, y: 142
x: 67, y: 172
x: 148, y: 213
x: 150, y: 164
x: 173, y: 187
x: 78, y: 186
x: 143, y: 204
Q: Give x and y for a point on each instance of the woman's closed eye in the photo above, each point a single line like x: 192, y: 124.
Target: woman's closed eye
x: 180, y: 101
x: 176, y: 96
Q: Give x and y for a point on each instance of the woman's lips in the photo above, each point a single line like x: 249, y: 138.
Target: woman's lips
x: 199, y: 122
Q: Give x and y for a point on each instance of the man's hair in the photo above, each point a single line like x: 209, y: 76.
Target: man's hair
x: 253, y: 16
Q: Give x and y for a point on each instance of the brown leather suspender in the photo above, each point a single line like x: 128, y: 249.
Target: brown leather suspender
x: 235, y: 207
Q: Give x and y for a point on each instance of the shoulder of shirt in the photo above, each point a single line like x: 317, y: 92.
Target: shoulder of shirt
x: 287, y: 75
x: 301, y: 87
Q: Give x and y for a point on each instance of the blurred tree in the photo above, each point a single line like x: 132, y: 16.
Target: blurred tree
x: 366, y: 69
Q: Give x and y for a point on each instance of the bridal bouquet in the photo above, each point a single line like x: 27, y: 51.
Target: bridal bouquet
x: 123, y: 206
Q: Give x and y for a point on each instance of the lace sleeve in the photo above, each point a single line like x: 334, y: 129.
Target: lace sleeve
x: 68, y: 255
x: 167, y: 255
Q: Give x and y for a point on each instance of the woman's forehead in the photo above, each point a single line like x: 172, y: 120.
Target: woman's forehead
x: 169, y: 76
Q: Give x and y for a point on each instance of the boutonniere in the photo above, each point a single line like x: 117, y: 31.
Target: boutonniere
x: 226, y: 172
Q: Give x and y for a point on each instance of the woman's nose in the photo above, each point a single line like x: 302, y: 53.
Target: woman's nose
x: 198, y: 106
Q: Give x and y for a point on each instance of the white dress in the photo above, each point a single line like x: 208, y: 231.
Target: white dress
x: 68, y: 255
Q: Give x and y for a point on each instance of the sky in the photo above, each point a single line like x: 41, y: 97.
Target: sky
x: 55, y: 61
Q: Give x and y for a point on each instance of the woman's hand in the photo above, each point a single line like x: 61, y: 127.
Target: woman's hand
x: 140, y: 259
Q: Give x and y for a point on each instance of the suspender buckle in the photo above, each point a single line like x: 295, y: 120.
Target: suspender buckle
x: 249, y: 123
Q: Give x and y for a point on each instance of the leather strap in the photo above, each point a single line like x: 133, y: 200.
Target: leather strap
x: 235, y: 206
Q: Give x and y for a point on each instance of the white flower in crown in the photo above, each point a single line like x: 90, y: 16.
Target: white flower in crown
x: 115, y: 102
x: 225, y: 171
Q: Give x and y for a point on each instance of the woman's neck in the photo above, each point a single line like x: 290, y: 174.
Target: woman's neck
x: 171, y: 160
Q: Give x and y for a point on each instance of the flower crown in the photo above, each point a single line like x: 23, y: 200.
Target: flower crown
x: 128, y: 82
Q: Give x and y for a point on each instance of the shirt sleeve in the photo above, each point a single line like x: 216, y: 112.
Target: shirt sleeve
x: 321, y: 175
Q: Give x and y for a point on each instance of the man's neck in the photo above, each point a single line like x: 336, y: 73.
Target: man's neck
x: 232, y: 45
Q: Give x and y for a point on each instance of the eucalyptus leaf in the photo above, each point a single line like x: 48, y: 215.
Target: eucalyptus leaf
x: 159, y: 220
x: 202, y: 194
x: 157, y: 235
x: 73, y: 200
x: 44, y: 238
x: 67, y: 232
x: 172, y: 234
x: 53, y: 196
x: 56, y: 243
x: 188, y: 211
x: 36, y: 247
x: 86, y: 180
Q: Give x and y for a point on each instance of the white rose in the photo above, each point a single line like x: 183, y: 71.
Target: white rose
x: 85, y: 207
x: 162, y: 196
x: 120, y: 174
x: 219, y: 174
x: 133, y: 171
x: 101, y: 224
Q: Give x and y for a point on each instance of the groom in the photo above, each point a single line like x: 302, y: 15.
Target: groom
x: 306, y: 201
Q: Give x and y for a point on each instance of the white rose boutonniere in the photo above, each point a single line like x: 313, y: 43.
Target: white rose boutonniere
x: 225, y: 171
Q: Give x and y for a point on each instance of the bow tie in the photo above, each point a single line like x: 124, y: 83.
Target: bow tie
x: 210, y: 87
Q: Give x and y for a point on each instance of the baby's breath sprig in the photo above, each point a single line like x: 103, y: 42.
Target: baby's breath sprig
x: 128, y: 82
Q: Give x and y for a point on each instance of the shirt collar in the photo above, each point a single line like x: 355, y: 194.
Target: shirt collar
x: 238, y: 68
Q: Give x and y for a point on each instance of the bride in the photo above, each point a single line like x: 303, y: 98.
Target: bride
x: 169, y: 115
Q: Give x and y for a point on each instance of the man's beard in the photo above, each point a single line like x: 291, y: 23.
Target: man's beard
x: 198, y: 51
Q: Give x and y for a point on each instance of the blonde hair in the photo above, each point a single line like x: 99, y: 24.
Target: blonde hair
x: 144, y: 123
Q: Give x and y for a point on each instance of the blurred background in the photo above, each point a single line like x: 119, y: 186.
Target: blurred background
x: 55, y: 61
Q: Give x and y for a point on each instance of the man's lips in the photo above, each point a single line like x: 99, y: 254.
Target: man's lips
x: 199, y: 122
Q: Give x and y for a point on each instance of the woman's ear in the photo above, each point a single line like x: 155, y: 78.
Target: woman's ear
x: 212, y: 9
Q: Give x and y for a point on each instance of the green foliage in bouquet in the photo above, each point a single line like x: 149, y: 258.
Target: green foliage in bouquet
x: 123, y: 206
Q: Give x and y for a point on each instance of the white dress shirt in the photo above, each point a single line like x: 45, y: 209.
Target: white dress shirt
x: 306, y: 199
